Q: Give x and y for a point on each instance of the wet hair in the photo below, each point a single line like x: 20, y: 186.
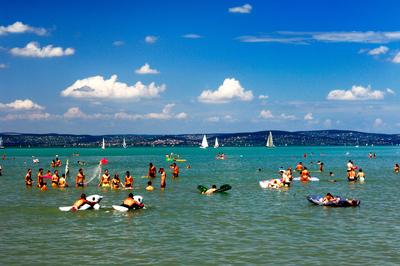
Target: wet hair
x: 329, y: 194
x: 160, y: 170
x: 80, y: 170
x: 150, y: 164
x: 40, y: 169
x: 130, y: 195
x: 127, y: 173
x: 63, y: 175
x: 213, y: 186
x: 149, y: 183
x: 360, y: 170
x: 116, y: 176
x: 83, y: 196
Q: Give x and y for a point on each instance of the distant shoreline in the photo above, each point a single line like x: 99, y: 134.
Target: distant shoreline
x: 251, y: 139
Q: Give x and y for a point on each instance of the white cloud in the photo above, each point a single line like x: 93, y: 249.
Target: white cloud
x: 378, y: 122
x: 379, y: 50
x: 181, y: 116
x: 150, y: 39
x: 308, y: 117
x: 146, y: 69
x: 308, y: 37
x: 390, y: 91
x: 19, y: 27
x: 356, y: 93
x: 33, y: 49
x: 263, y: 97
x: 266, y: 114
x: 26, y: 116
x: 273, y: 39
x: 118, y: 43
x: 212, y: 119
x: 18, y: 105
x: 228, y: 91
x: 165, y: 114
x: 245, y: 9
x: 2, y: 66
x: 396, y: 58
x: 99, y: 88
x: 192, y: 36
x: 215, y: 119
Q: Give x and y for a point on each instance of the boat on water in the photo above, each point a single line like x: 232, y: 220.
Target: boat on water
x: 204, y: 143
x: 270, y: 141
x: 124, y: 144
x: 216, y: 144
x: 1, y: 143
x: 103, y: 145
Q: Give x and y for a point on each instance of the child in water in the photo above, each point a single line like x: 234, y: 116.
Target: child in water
x: 149, y: 186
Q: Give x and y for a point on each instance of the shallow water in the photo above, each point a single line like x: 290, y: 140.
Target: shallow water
x: 247, y: 225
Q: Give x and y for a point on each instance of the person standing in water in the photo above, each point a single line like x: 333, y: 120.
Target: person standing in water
x: 149, y: 186
x: 40, y: 182
x: 396, y: 168
x: 80, y: 178
x: 163, y: 182
x: 62, y: 182
x: 175, y: 170
x: 28, y: 178
x: 152, y: 171
x: 105, y: 179
x: 128, y: 180
x: 115, y: 182
x: 55, y: 179
x: 360, y: 175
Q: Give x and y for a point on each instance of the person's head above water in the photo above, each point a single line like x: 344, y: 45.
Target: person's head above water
x: 83, y: 196
x: 213, y: 186
x: 149, y: 183
x: 130, y: 195
x: 329, y: 195
x: 128, y: 173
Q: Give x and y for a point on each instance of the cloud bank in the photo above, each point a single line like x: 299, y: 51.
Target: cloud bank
x: 97, y: 87
x: 356, y: 93
x: 33, y: 49
x: 18, y: 105
x: 19, y: 27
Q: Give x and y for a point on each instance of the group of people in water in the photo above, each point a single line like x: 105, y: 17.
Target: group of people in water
x: 106, y: 181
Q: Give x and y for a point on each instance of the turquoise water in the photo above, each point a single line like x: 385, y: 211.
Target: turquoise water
x: 247, y: 225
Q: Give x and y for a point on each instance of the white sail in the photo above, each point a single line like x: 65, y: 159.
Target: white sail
x: 216, y: 145
x: 204, y: 143
x: 270, y: 142
x: 124, y: 144
x: 1, y: 143
x: 103, y: 146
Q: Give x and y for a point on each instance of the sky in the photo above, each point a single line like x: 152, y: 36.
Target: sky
x: 172, y: 67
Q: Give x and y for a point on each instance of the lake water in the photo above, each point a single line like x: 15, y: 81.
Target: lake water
x: 247, y: 225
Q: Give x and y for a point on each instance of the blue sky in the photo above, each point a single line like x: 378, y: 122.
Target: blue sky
x: 103, y: 67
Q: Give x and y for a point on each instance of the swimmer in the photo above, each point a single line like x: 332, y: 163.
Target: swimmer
x: 210, y: 190
x: 131, y: 203
x: 55, y: 179
x: 40, y: 182
x: 128, y: 180
x: 305, y: 175
x: 299, y: 167
x: 28, y: 178
x: 163, y: 181
x: 329, y: 198
x: 152, y: 171
x: 149, y: 186
x: 115, y: 182
x: 360, y: 175
x: 62, y: 183
x: 175, y: 170
x: 80, y: 202
x: 396, y: 168
x: 80, y: 178
x: 105, y: 179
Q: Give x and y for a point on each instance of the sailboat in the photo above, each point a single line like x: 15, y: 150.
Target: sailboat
x: 216, y: 145
x: 103, y: 146
x: 124, y: 144
x: 1, y: 143
x: 270, y: 142
x: 204, y: 143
